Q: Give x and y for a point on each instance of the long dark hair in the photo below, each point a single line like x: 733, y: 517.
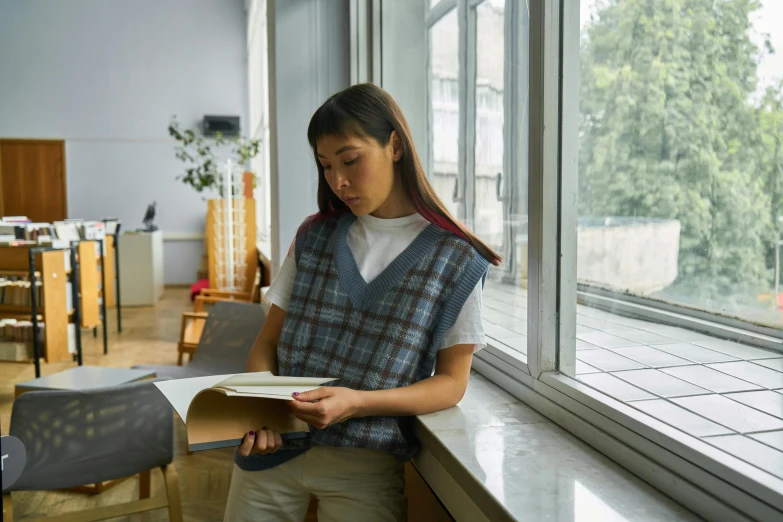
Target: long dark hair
x: 368, y: 111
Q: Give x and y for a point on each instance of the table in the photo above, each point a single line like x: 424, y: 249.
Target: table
x: 86, y: 378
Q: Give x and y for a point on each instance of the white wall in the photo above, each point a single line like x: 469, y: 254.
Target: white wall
x: 106, y: 76
x: 309, y: 46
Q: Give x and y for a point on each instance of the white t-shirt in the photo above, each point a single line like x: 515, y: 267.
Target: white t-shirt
x: 375, y: 243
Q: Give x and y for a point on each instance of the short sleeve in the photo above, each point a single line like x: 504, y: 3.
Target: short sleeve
x: 279, y: 292
x: 467, y: 329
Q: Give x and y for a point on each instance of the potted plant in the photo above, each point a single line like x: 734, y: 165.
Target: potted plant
x: 203, y: 157
x: 201, y: 164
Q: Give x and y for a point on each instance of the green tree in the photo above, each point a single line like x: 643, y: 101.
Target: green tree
x: 668, y: 130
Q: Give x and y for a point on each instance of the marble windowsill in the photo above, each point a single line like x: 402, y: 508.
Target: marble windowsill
x: 495, y: 458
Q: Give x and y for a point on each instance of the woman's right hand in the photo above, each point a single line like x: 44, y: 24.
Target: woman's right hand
x: 262, y: 441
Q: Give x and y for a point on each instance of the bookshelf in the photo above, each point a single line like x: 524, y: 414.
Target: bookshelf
x: 51, y: 270
x: 93, y: 301
x: 111, y: 276
x: 88, y: 284
x: 93, y: 248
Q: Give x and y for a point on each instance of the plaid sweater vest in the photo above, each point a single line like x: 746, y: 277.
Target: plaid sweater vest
x: 372, y: 336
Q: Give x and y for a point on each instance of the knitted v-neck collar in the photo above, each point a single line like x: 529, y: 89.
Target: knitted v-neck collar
x: 363, y: 294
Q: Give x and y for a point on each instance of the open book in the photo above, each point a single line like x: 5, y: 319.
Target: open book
x: 218, y: 410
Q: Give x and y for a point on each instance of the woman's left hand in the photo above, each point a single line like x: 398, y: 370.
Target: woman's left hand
x: 333, y: 405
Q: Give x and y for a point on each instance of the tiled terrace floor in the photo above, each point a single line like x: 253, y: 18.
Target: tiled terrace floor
x: 726, y: 393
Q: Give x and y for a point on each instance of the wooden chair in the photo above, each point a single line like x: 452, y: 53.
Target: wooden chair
x: 104, y: 434
x: 193, y: 322
x: 189, y: 334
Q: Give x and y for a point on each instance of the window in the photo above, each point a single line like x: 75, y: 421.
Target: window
x: 477, y: 144
x: 626, y: 160
x: 258, y: 107
x: 444, y: 109
x: 680, y: 180
x: 680, y: 185
x: 489, y: 218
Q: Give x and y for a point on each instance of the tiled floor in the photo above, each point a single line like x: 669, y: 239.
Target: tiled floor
x: 728, y: 394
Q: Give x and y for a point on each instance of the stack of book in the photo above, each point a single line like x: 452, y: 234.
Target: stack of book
x: 16, y: 339
x: 18, y: 230
x: 15, y: 290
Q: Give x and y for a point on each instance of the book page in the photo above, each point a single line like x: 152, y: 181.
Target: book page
x: 273, y: 392
x: 180, y: 392
x: 267, y: 379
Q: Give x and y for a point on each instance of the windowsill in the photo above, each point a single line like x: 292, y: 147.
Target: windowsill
x: 464, y: 455
x: 492, y: 457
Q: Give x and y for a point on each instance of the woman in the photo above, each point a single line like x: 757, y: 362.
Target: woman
x: 382, y: 290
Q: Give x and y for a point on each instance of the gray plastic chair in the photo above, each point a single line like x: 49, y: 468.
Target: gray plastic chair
x: 229, y: 334
x: 76, y: 438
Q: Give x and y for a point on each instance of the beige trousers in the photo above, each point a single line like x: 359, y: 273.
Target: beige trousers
x: 351, y: 484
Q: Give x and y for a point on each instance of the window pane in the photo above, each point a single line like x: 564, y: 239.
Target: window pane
x: 489, y: 218
x: 680, y: 163
x: 680, y: 188
x: 444, y: 108
x: 494, y: 117
x: 500, y: 203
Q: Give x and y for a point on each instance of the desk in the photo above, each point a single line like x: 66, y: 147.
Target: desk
x: 84, y: 378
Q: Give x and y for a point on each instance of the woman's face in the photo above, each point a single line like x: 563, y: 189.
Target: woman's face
x: 361, y: 173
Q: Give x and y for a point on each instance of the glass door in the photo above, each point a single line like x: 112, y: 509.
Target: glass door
x: 444, y: 112
x: 496, y: 167
x: 486, y: 168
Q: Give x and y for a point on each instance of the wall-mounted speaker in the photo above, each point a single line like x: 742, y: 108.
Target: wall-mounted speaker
x: 226, y: 125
